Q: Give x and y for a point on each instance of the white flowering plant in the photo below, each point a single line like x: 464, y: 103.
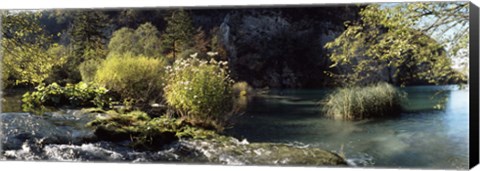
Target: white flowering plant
x: 200, y: 91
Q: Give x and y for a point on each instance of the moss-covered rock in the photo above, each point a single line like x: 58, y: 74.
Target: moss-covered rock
x: 230, y: 151
x: 145, y: 132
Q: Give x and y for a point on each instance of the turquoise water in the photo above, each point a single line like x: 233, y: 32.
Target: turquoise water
x: 422, y: 137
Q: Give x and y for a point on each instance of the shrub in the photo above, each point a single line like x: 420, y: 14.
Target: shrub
x: 242, y: 89
x: 355, y: 103
x: 73, y: 95
x: 200, y: 91
x: 243, y: 94
x: 137, y: 78
x: 88, y: 69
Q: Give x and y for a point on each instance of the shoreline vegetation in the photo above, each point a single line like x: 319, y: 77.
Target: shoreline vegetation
x: 155, y: 83
x: 380, y: 100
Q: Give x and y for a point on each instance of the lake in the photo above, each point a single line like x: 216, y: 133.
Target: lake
x: 422, y: 137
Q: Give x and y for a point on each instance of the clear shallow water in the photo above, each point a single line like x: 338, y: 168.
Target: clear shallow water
x: 421, y: 137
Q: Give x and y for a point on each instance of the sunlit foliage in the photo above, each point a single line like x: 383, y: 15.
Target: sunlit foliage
x: 137, y: 78
x: 28, y: 53
x: 383, y: 41
x: 356, y: 103
x: 200, y: 91
x: 142, y: 41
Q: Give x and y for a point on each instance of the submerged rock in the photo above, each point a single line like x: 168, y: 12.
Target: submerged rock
x: 233, y: 152
x: 62, y: 138
x: 51, y: 128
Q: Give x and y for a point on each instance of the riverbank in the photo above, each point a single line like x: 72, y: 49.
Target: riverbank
x: 63, y: 136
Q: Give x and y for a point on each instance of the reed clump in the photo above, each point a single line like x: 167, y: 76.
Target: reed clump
x: 363, y: 102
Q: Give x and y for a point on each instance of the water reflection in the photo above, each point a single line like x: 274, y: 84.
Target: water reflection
x: 421, y: 137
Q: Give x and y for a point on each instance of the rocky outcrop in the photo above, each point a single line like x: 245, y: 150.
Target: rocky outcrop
x: 20, y: 128
x: 282, y: 47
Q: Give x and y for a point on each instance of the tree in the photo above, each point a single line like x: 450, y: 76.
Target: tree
x: 178, y: 34
x: 28, y: 54
x: 86, y: 41
x: 87, y: 34
x: 122, y: 41
x: 142, y: 41
x: 383, y: 41
x: 437, y: 18
x: 148, y: 40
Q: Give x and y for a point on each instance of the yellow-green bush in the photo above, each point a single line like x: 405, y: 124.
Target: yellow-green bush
x: 242, y: 88
x: 200, y: 91
x: 88, y: 69
x: 355, y: 103
x: 137, y: 78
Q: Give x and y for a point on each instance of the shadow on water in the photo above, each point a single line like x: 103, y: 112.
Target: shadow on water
x: 12, y: 100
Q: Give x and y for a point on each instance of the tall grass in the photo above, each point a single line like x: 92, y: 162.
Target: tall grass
x: 356, y: 103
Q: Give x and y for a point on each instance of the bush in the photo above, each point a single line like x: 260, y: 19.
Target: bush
x: 88, y: 69
x: 73, y: 95
x: 200, y: 91
x: 355, y: 103
x: 137, y: 78
x: 242, y: 89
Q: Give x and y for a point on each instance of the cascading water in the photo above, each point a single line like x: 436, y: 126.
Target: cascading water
x: 63, y: 136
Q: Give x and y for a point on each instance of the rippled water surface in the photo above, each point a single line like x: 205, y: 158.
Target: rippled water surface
x: 422, y: 137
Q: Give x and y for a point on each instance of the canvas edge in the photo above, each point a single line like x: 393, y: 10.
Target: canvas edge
x: 473, y: 84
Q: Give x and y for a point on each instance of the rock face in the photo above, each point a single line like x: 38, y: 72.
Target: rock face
x: 278, y: 47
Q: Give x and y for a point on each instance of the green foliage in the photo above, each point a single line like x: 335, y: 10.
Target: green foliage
x: 243, y: 93
x: 85, y: 40
x: 142, y: 41
x: 137, y: 78
x: 68, y: 72
x: 178, y: 33
x: 28, y: 55
x: 242, y: 88
x: 86, y: 35
x: 73, y: 95
x: 123, y: 40
x: 200, y: 91
x: 438, y: 18
x: 356, y: 103
x: 89, y: 68
x: 205, y: 46
x: 382, y: 42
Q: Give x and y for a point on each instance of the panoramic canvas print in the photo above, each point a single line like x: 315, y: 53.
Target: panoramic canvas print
x: 350, y: 85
